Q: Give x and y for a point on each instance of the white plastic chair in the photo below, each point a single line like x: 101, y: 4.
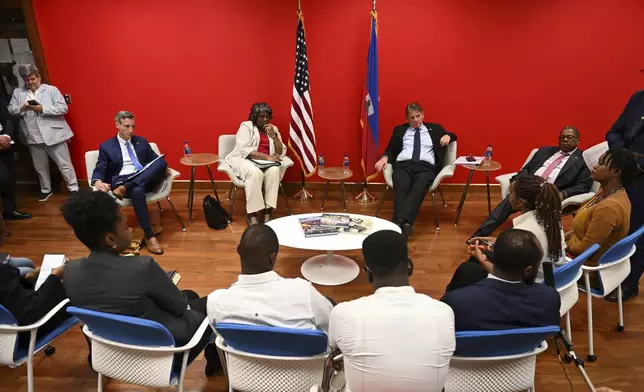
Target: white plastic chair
x: 446, y: 172
x: 12, y: 356
x: 271, y: 359
x: 499, y: 361
x: 504, y: 179
x: 226, y: 146
x: 135, y: 350
x: 612, y: 268
x: 566, y: 277
x: 590, y: 155
x: 163, y: 192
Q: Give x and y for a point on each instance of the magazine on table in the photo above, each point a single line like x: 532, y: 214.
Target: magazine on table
x: 332, y: 224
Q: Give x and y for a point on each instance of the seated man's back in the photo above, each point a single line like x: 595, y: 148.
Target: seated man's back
x: 262, y: 297
x: 492, y: 304
x: 394, y: 340
x: 508, y: 298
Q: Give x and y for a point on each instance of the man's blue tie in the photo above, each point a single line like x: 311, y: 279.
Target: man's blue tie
x: 415, y: 156
x: 135, y: 160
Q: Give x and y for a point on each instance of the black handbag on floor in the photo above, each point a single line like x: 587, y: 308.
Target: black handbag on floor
x: 216, y: 216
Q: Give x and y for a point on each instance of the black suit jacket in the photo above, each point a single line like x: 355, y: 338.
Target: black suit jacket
x: 573, y: 179
x: 628, y: 130
x: 28, y: 306
x: 9, y: 126
x: 110, y: 158
x: 436, y: 132
x: 493, y: 305
x: 131, y: 286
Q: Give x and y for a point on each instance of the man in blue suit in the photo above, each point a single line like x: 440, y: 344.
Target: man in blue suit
x: 508, y: 298
x: 121, y: 168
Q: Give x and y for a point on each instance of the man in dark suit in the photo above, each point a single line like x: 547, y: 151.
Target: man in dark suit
x: 628, y: 132
x: 8, y: 126
x: 416, y: 150
x: 563, y: 166
x: 120, y: 168
x: 508, y: 298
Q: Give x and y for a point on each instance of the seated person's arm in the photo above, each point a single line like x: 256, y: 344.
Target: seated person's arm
x: 322, y: 308
x: 582, y: 184
x: 246, y: 150
x: 602, y: 223
x: 29, y: 306
x: 100, y: 172
x: 163, y: 291
x: 445, y: 141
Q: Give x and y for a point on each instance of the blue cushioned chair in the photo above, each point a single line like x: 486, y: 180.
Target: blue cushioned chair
x: 135, y: 350
x: 500, y: 361
x: 612, y: 268
x: 12, y: 355
x: 566, y: 277
x: 271, y: 359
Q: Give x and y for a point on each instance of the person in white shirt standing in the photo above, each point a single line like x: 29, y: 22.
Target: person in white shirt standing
x: 563, y: 166
x: 395, y: 339
x: 42, y: 108
x: 262, y: 297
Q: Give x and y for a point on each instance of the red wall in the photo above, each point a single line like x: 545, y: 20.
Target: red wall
x: 506, y: 72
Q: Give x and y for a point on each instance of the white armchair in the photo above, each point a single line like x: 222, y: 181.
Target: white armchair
x: 162, y: 192
x: 504, y: 179
x: 446, y: 172
x: 226, y: 146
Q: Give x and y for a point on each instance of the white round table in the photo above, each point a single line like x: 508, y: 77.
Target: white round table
x: 329, y: 269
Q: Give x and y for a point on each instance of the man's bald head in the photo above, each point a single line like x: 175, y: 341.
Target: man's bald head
x: 258, y: 249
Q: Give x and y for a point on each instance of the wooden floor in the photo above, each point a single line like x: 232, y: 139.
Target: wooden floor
x: 207, y: 261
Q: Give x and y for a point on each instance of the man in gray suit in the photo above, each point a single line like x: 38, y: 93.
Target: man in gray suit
x: 135, y: 286
x: 41, y: 108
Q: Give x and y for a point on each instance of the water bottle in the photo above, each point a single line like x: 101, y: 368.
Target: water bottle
x: 345, y: 164
x: 321, y: 164
x: 187, y: 152
x: 488, y: 154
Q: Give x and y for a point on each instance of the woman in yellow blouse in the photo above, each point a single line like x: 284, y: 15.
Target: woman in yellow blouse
x: 604, y: 220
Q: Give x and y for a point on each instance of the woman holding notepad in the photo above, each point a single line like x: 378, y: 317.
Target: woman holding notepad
x: 257, y: 160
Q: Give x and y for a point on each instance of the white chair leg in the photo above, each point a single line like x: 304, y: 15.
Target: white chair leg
x: 620, y: 309
x: 100, y: 382
x: 30, y: 361
x: 589, y: 304
x: 568, y: 328
x: 182, y: 374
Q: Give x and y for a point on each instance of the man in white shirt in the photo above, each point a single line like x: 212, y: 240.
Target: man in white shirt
x: 563, y: 166
x: 395, y: 339
x: 262, y: 297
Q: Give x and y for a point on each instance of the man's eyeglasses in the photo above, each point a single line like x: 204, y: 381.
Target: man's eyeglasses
x: 568, y: 137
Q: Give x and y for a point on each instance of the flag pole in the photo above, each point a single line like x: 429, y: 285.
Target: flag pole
x: 365, y: 196
x: 303, y: 194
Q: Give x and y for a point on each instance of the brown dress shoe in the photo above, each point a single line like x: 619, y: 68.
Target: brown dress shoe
x: 119, y: 192
x: 154, y: 246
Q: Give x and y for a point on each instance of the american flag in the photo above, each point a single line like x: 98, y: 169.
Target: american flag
x: 302, y: 135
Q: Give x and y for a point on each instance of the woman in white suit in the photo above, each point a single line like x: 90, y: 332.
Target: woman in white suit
x: 41, y: 108
x: 257, y: 139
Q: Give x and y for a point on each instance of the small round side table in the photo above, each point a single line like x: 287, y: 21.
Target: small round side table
x: 335, y: 174
x: 486, y: 167
x: 198, y: 160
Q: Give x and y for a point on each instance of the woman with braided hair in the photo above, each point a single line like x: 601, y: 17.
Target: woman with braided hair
x: 259, y: 140
x: 540, y: 207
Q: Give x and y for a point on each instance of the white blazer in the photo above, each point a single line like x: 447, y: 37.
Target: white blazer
x: 51, y: 121
x: 247, y: 141
x: 528, y: 221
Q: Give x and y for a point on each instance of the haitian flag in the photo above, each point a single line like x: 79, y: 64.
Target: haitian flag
x: 369, y: 114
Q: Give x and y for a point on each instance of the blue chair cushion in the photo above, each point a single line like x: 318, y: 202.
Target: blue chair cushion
x: 273, y: 341
x: 124, y: 329
x: 20, y: 353
x: 502, y: 342
x: 6, y: 318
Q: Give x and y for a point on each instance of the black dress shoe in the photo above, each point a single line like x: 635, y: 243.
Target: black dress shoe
x: 44, y: 196
x: 628, y: 293
x: 16, y: 215
x: 407, y: 229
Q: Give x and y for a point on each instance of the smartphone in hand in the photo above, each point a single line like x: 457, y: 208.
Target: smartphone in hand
x: 33, y: 102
